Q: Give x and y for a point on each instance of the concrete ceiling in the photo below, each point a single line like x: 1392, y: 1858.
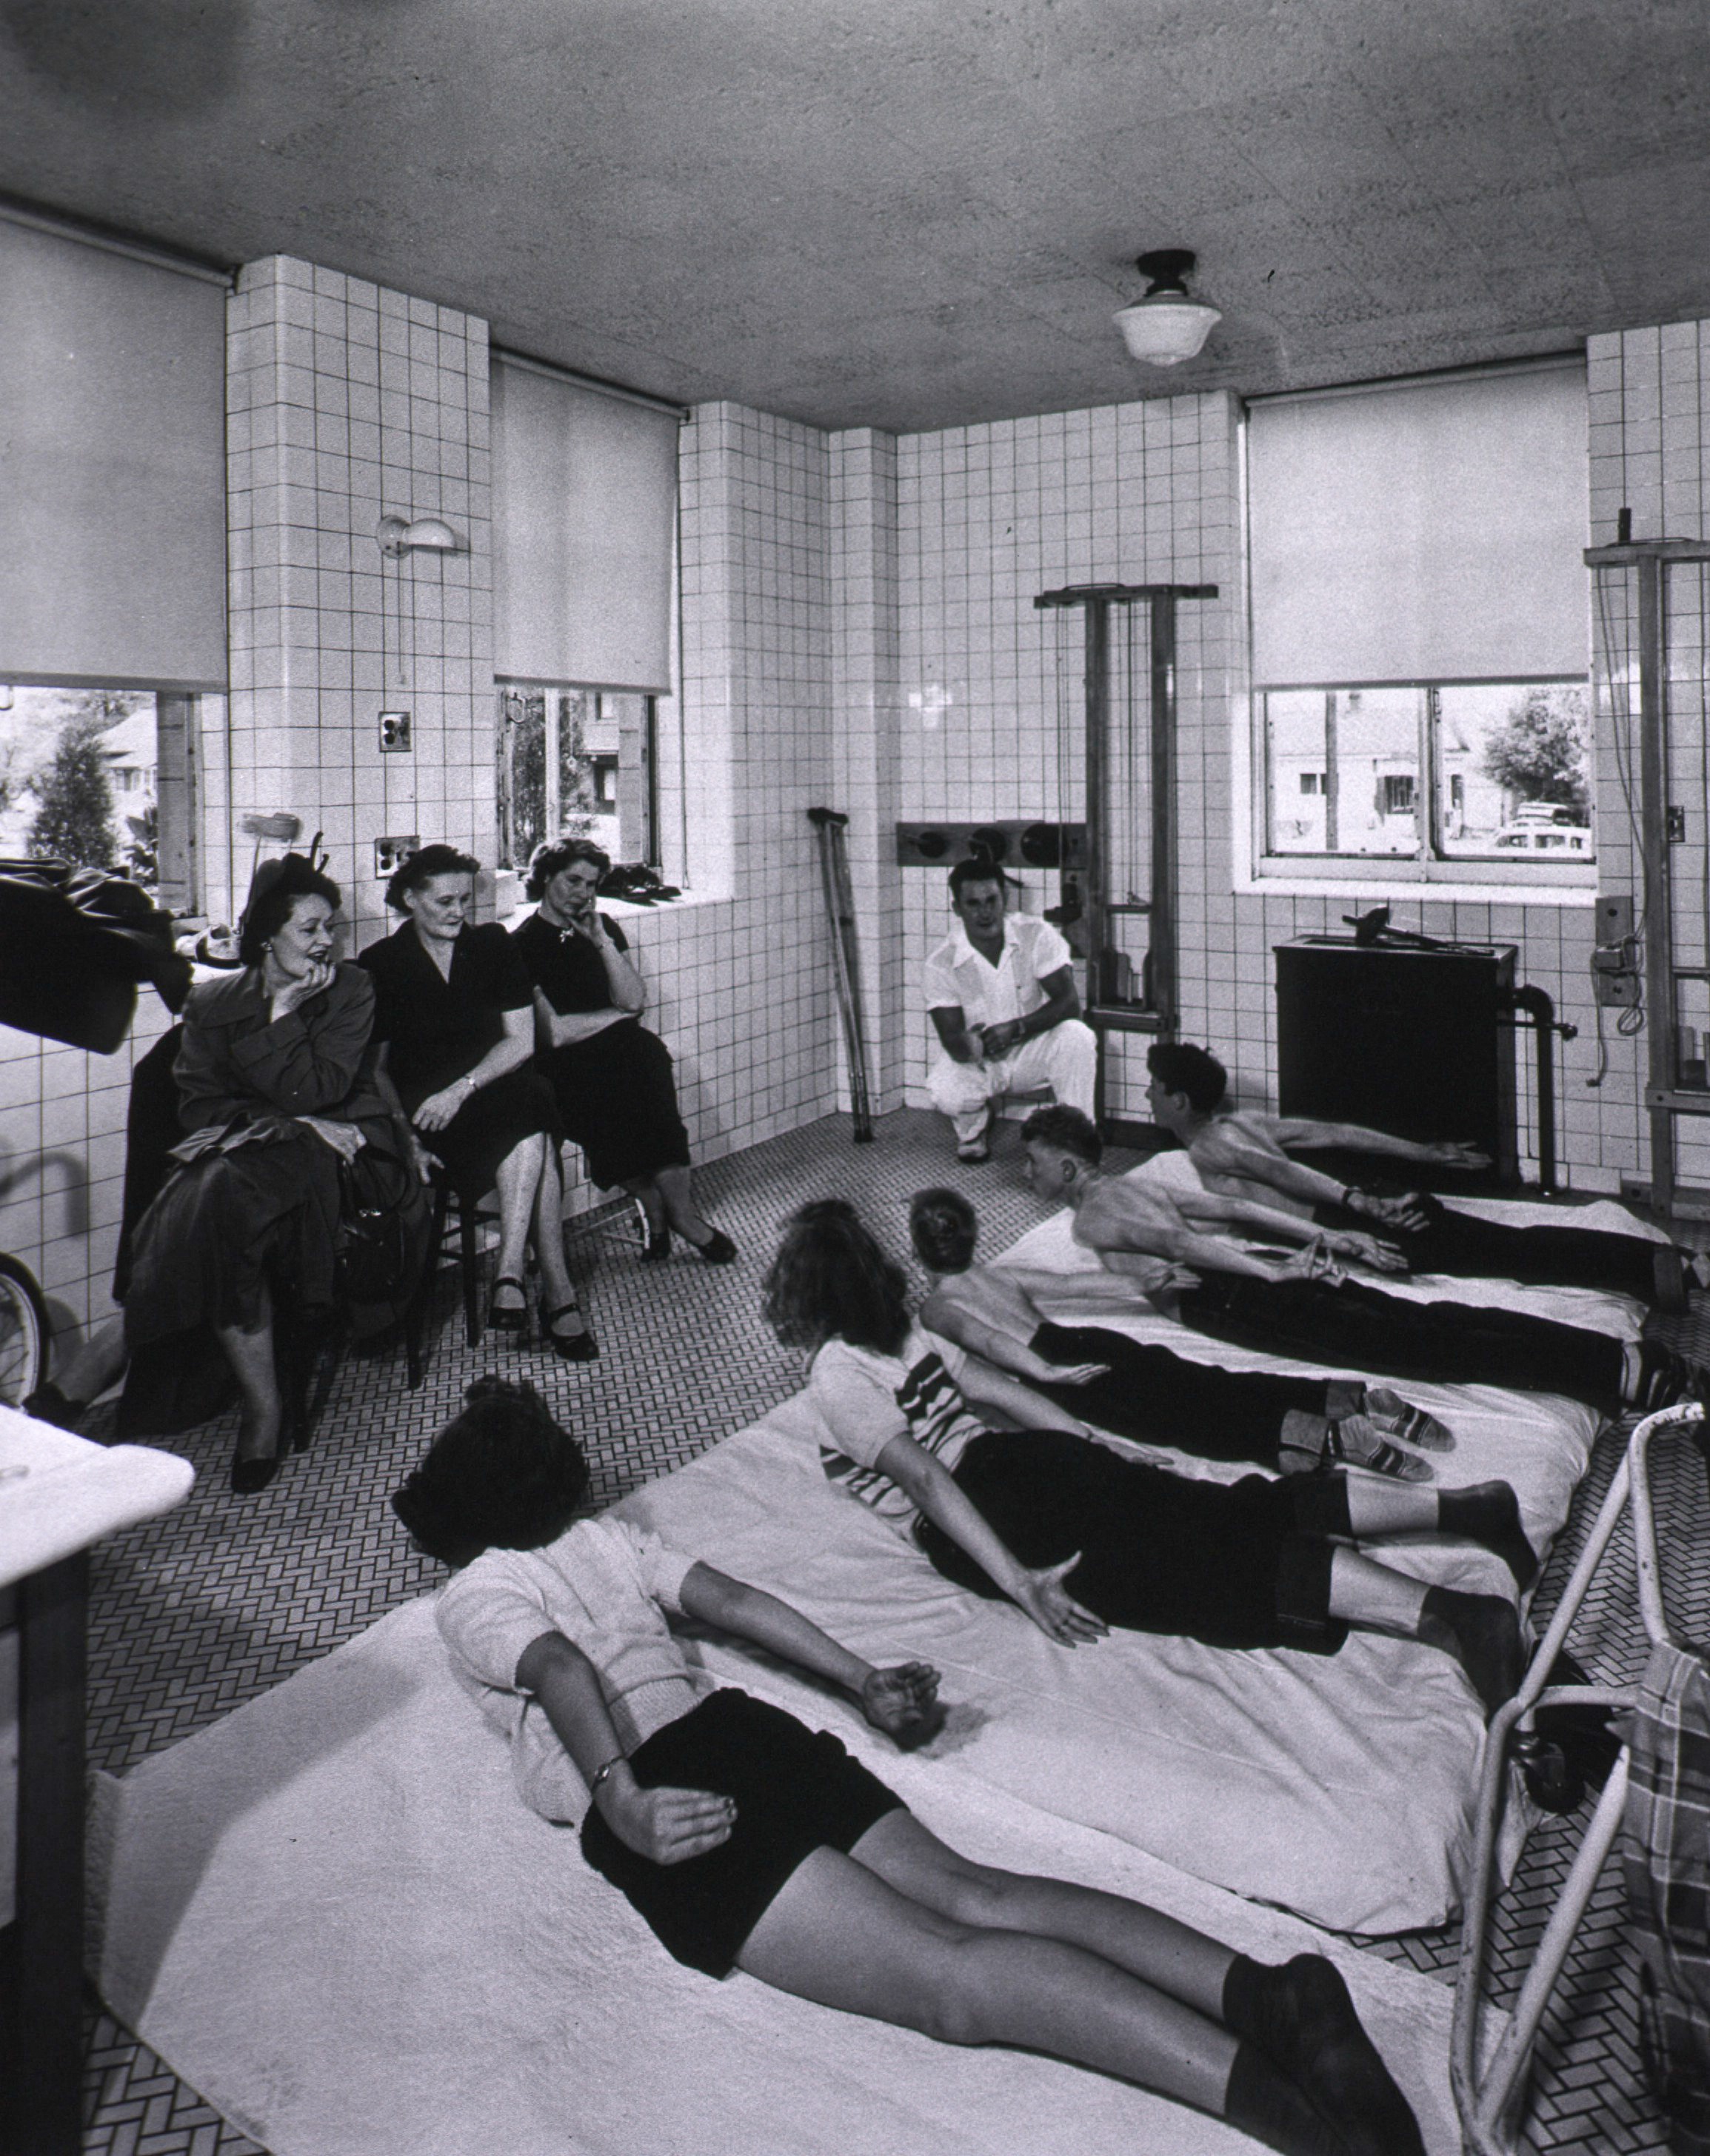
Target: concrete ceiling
x: 908, y: 214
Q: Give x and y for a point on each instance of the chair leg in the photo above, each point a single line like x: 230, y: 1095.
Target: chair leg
x: 416, y: 1324
x: 471, y: 1273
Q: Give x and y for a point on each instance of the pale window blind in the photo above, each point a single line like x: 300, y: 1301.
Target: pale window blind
x: 1429, y: 531
x: 584, y: 522
x: 112, y: 467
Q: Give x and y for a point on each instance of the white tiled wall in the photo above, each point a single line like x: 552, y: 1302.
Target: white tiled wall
x: 346, y: 403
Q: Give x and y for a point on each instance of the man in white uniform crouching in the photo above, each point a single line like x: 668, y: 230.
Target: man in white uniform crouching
x: 1003, y: 999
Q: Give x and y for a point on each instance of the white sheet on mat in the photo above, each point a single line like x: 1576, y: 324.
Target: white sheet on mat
x: 330, y: 1915
x: 1341, y: 1787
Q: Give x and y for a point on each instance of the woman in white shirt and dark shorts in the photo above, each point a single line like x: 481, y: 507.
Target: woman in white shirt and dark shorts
x: 745, y: 1841
x: 1082, y: 1538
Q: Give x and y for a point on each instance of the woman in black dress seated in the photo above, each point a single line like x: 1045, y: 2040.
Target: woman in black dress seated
x: 276, y: 1086
x: 455, y: 1010
x: 611, y: 1076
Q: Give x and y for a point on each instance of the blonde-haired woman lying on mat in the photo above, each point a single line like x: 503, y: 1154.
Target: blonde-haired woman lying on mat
x: 745, y: 1841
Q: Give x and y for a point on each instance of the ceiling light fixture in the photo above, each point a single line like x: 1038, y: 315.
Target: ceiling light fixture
x: 1166, y: 326
x: 427, y: 535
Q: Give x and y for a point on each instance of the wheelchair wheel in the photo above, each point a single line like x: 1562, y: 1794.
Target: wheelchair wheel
x: 24, y: 1332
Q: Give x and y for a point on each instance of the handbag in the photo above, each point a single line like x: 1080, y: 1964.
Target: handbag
x: 382, y: 1236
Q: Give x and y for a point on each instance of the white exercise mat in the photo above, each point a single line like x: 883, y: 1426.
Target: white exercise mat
x: 1341, y: 1787
x: 330, y: 1915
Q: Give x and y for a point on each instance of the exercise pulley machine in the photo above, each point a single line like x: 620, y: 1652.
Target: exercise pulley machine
x: 1652, y: 630
x: 1116, y: 1002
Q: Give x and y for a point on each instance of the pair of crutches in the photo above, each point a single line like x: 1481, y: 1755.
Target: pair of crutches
x: 839, y: 908
x: 1490, y: 2100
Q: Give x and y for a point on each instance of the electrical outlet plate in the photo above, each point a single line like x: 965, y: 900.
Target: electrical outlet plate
x: 390, y: 854
x: 1614, y: 919
x: 1616, y: 991
x: 394, y: 733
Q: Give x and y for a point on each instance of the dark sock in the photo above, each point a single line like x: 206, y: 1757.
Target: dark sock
x: 47, y: 1404
x: 1664, y: 1378
x: 1302, y: 2017
x: 1262, y: 2101
x: 1482, y: 1634
x: 1488, y: 1513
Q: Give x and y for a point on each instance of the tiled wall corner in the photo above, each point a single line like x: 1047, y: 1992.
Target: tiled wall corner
x: 866, y: 678
x: 740, y: 982
x: 348, y: 403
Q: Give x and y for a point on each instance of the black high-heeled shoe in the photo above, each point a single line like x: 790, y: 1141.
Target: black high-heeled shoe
x: 718, y: 1249
x: 502, y: 1317
x: 570, y: 1347
x: 658, y: 1246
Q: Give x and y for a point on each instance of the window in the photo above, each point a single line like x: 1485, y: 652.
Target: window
x: 1442, y: 772
x: 102, y: 778
x: 576, y: 763
x: 1419, y: 630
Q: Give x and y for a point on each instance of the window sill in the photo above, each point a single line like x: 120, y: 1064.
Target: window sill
x: 1377, y: 884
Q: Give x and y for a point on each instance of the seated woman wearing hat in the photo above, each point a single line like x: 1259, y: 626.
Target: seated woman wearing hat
x: 276, y: 1086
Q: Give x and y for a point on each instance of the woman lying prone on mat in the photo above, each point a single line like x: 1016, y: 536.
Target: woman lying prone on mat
x: 745, y: 1841
x: 1081, y: 1539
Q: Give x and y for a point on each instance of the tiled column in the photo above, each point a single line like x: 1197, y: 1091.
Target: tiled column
x: 867, y: 744
x: 348, y: 403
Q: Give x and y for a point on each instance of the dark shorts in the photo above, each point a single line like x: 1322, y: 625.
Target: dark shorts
x: 796, y: 1790
x: 1240, y: 1564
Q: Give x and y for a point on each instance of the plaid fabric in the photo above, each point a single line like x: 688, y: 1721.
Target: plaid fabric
x: 1665, y: 1858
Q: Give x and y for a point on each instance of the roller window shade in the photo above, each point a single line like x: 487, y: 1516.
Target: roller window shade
x: 584, y: 524
x: 112, y: 467
x: 1428, y: 532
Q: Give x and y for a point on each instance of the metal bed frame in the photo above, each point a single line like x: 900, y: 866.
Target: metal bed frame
x: 1489, y: 2102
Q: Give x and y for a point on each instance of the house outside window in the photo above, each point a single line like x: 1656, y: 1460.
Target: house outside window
x: 576, y: 763
x: 1430, y: 772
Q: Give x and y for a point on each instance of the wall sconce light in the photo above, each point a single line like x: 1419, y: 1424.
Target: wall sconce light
x: 427, y: 535
x: 1166, y: 326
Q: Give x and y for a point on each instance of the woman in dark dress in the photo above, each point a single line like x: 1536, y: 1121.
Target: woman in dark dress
x: 276, y: 1086
x: 611, y: 1077
x: 455, y: 1007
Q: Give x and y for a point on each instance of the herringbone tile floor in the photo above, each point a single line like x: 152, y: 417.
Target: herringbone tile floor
x: 196, y: 1613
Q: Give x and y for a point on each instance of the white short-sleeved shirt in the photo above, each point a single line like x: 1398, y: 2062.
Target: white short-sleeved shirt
x: 865, y: 1399
x: 606, y: 1586
x: 989, y: 994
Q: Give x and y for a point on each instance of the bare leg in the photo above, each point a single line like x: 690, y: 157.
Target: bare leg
x: 676, y: 1190
x: 518, y: 1181
x: 1300, y: 2015
x: 645, y: 1191
x: 550, y: 1233
x: 842, y: 1933
x: 1484, y: 1513
x: 838, y: 1933
x: 1480, y: 1632
x: 250, y: 1354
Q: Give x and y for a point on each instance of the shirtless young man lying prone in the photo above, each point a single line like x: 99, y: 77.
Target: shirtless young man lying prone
x: 1243, y: 1152
x: 1304, y: 1306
